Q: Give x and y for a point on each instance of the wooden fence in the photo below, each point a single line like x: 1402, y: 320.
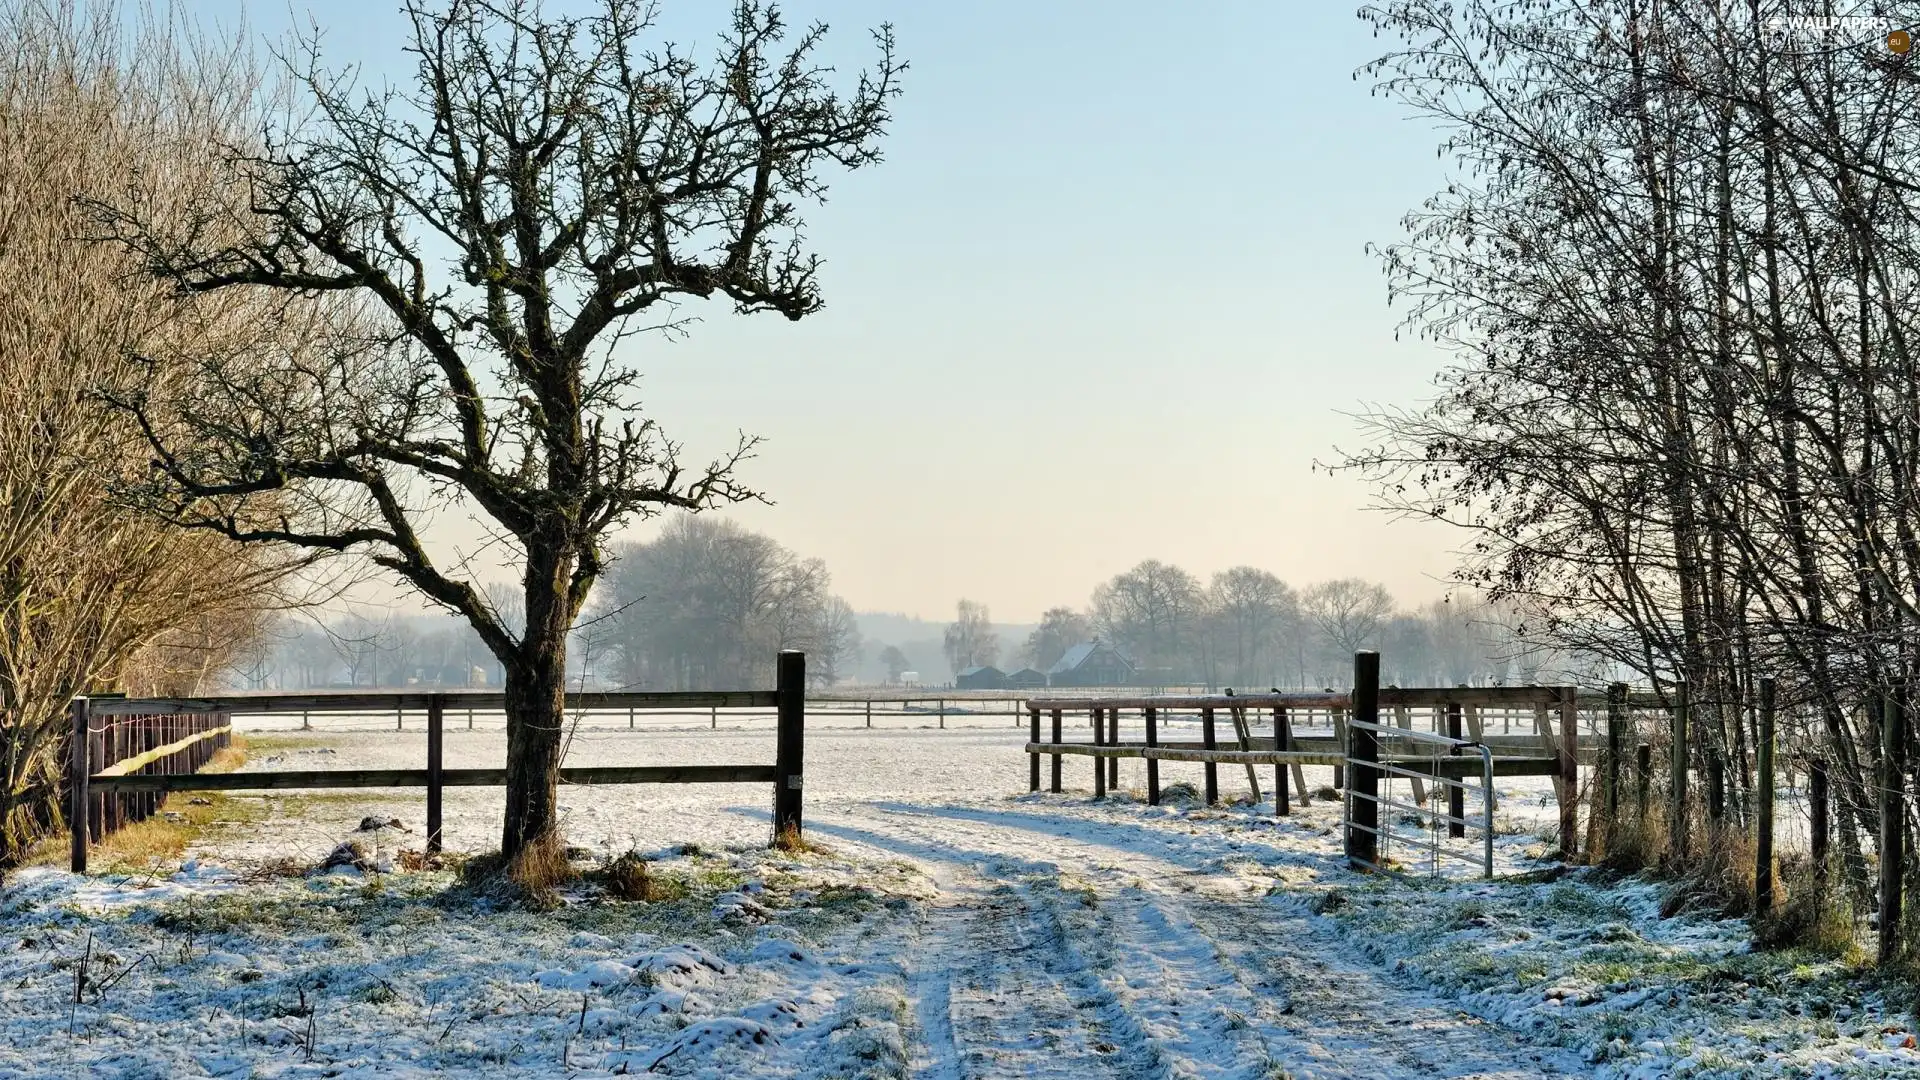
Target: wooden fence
x: 788, y: 699
x: 157, y: 742
x: 1553, y: 749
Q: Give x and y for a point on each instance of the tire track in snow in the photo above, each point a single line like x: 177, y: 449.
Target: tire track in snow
x: 1000, y: 987
x: 1183, y: 980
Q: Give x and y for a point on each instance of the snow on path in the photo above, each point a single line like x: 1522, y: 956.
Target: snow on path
x: 1064, y: 945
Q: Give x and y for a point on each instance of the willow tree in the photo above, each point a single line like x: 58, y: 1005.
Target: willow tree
x: 539, y: 191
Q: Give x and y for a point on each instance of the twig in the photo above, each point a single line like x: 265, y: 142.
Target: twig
x: 100, y: 992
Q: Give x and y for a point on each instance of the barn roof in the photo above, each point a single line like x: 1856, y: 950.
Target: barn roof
x: 981, y: 669
x: 1078, y: 655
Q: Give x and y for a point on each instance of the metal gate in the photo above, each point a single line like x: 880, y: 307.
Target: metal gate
x: 1422, y: 829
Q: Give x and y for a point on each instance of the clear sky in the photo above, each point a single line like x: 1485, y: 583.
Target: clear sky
x: 1105, y: 300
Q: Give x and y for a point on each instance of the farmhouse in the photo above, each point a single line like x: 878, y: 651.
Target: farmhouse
x: 1092, y: 664
x: 1026, y: 679
x: 985, y: 677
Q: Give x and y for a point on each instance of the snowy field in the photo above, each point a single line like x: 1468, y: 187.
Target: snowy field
x: 954, y: 927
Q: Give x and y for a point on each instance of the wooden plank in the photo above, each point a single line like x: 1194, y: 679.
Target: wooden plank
x: 257, y: 704
x: 1164, y: 753
x: 1243, y: 739
x: 406, y: 778
x: 1479, y: 696
x: 1196, y: 702
x: 141, y: 761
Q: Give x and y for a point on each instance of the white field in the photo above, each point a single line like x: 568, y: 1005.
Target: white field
x: 957, y: 928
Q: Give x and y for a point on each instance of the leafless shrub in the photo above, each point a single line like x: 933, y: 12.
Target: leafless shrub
x: 91, y: 593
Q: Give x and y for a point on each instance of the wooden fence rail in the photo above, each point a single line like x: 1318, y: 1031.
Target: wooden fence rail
x: 1555, y: 748
x: 148, y: 744
x: 138, y: 778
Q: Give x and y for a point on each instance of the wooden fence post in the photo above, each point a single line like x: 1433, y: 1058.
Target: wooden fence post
x: 1817, y: 812
x: 1210, y: 742
x: 1363, y: 811
x: 1616, y: 750
x: 943, y: 715
x: 1099, y: 767
x: 1153, y: 767
x: 870, y: 717
x: 1055, y: 766
x: 1892, y: 820
x: 1033, y: 760
x: 1569, y: 771
x: 1643, y: 775
x: 1456, y: 788
x: 1113, y: 739
x: 1677, y: 783
x: 789, y: 743
x: 1763, y: 816
x: 82, y: 768
x: 436, y: 737
x: 1282, y: 741
x: 1338, y: 719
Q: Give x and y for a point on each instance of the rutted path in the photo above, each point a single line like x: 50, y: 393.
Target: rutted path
x: 1063, y: 946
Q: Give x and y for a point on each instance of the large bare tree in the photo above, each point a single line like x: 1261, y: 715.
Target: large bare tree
x: 541, y: 189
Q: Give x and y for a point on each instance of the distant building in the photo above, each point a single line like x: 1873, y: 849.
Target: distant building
x: 909, y: 678
x: 1092, y: 664
x: 1026, y: 679
x: 985, y: 677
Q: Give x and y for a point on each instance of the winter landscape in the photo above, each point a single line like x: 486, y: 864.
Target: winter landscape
x: 864, y: 541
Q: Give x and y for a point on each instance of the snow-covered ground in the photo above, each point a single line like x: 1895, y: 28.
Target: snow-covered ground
x: 957, y: 927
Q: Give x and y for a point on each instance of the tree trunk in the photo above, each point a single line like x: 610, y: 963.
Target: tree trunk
x: 536, y: 686
x: 536, y: 704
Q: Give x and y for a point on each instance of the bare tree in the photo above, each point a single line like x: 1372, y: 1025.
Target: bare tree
x: 970, y: 640
x: 707, y: 604
x: 1347, y: 614
x: 1060, y: 629
x: 1154, y: 612
x: 836, y: 642
x: 581, y: 180
x: 1255, y: 614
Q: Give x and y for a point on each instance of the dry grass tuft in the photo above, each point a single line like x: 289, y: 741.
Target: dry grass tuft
x: 1809, y: 912
x: 629, y: 877
x: 792, y: 841
x: 1717, y: 874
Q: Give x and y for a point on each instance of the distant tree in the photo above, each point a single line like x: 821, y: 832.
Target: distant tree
x: 896, y: 662
x: 1346, y: 614
x: 970, y: 640
x: 1254, y: 615
x: 540, y: 189
x: 836, y: 642
x: 1060, y: 629
x: 1153, y: 611
x: 708, y: 603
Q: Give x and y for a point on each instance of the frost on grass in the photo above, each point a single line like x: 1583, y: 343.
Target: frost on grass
x: 407, y: 974
x: 1587, y: 962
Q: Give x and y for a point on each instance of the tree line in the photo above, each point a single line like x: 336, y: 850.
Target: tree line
x: 1246, y: 627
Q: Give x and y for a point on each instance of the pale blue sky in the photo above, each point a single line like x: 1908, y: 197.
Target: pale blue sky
x: 1105, y: 300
